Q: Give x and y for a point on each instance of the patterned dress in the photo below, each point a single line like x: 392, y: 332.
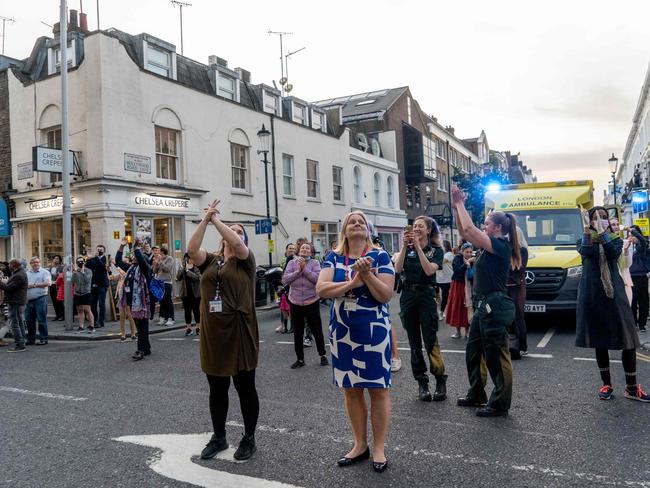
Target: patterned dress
x: 360, y: 339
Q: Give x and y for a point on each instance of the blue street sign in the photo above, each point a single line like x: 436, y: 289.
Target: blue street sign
x: 640, y: 201
x: 263, y: 226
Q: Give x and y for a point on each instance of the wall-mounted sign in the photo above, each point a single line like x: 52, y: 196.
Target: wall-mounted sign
x: 5, y: 224
x: 48, y: 160
x: 116, y: 235
x: 137, y: 164
x: 25, y: 170
x: 47, y: 204
x: 161, y: 202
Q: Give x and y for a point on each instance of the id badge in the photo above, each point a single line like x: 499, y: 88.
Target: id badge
x: 488, y: 308
x: 216, y: 306
x: 127, y: 289
x: 350, y: 304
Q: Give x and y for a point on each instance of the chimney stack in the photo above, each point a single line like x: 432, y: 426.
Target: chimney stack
x: 244, y: 75
x: 83, y: 22
x: 451, y: 130
x: 73, y: 20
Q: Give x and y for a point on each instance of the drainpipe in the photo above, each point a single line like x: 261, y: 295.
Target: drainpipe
x: 451, y: 224
x: 275, y: 183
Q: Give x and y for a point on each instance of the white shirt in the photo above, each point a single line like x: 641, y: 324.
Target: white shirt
x: 37, y: 277
x: 444, y: 274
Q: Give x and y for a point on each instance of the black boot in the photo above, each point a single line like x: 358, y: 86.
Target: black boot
x: 441, y: 388
x: 423, y: 391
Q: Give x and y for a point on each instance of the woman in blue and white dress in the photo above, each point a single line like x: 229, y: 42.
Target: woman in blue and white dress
x: 359, y: 277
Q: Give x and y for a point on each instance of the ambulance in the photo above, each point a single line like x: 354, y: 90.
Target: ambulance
x: 550, y: 216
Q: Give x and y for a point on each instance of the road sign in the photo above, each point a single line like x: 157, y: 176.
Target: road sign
x: 263, y: 226
x: 640, y: 201
x: 644, y: 224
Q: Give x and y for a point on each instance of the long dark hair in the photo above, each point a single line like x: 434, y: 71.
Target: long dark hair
x: 508, y: 223
x: 446, y: 245
x: 434, y: 230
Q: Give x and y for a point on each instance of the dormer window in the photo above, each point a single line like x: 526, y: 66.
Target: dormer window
x: 54, y: 58
x: 159, y: 60
x: 299, y: 113
x: 271, y: 103
x: 227, y: 86
x: 318, y: 121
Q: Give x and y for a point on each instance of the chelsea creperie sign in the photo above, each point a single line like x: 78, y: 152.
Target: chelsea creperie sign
x: 48, y: 160
x: 161, y: 202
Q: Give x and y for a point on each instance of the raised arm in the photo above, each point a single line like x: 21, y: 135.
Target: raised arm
x: 466, y: 227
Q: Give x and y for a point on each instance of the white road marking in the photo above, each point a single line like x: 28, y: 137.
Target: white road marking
x: 172, y: 339
x: 42, y: 394
x: 284, y: 342
x: 175, y: 462
x: 547, y: 337
x: 177, y: 450
x: 539, y: 356
x: 594, y: 360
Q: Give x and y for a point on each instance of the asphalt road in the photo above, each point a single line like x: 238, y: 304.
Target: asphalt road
x: 63, y: 406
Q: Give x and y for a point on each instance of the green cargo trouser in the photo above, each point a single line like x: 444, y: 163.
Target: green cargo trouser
x: 488, y: 346
x: 419, y: 314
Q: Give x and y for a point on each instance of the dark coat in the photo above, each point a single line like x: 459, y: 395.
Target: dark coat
x: 97, y: 265
x: 194, y: 276
x: 603, y: 323
x: 638, y: 267
x: 16, y: 288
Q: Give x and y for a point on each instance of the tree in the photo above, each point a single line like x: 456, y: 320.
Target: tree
x: 475, y: 184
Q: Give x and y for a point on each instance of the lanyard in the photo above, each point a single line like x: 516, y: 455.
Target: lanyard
x: 348, y: 273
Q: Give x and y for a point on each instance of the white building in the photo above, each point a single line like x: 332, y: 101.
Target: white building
x: 157, y: 136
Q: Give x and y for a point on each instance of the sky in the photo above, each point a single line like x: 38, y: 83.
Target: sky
x: 556, y: 81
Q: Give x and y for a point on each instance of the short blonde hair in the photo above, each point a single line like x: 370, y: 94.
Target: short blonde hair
x: 342, y: 246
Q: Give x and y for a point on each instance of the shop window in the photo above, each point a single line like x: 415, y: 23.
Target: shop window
x: 322, y: 233
x: 167, y: 153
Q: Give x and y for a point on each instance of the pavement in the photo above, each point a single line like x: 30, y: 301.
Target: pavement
x: 83, y: 413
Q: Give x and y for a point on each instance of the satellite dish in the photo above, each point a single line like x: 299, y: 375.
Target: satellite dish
x: 362, y: 141
x: 375, y: 148
x: 283, y: 80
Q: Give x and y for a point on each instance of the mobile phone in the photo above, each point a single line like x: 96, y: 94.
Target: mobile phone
x: 408, y: 228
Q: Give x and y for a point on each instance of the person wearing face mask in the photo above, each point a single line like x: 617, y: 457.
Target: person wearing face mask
x: 82, y: 278
x: 604, y: 318
x: 98, y: 265
x: 229, y: 345
x: 302, y: 275
x: 418, y: 260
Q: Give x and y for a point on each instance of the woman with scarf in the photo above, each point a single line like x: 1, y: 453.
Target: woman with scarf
x: 625, y: 260
x: 604, y: 318
x: 135, y: 294
x: 229, y: 346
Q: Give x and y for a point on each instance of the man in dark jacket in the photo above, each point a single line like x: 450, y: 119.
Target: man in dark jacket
x: 639, y: 274
x: 15, y: 288
x: 98, y: 265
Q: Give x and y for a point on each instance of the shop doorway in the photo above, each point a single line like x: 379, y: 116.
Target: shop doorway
x: 157, y: 231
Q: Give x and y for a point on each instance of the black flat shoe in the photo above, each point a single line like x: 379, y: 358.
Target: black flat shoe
x: 215, y: 445
x: 298, y: 364
x: 379, y: 467
x: 468, y: 402
x: 346, y: 461
x: 138, y: 356
x: 490, y: 412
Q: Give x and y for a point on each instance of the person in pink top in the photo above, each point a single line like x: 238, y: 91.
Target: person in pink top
x: 302, y: 274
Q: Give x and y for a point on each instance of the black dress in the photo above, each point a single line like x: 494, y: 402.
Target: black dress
x: 602, y: 322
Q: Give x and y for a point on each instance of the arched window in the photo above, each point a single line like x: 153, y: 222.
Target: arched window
x: 357, y: 184
x: 376, y: 188
x: 389, y: 192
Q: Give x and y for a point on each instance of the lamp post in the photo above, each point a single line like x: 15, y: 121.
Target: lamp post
x: 613, y: 166
x: 265, y: 141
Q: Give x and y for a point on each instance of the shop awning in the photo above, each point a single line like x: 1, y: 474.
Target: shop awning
x: 5, y: 224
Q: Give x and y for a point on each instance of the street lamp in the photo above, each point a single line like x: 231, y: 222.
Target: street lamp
x: 265, y: 143
x: 613, y: 166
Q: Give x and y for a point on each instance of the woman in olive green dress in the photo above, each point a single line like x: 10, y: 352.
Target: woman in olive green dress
x: 229, y: 335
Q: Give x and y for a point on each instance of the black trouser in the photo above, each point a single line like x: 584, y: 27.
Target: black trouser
x: 248, y: 401
x: 152, y: 306
x: 98, y: 307
x: 517, y: 336
x: 640, y: 300
x: 444, y: 295
x: 59, y: 311
x: 487, y: 345
x: 142, y: 325
x: 311, y: 313
x: 166, y: 304
x: 419, y: 314
x: 628, y: 358
x: 191, y: 304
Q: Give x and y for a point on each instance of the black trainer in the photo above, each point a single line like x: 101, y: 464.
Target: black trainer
x: 215, y: 445
x: 298, y: 364
x: 17, y: 349
x: 469, y: 402
x: 246, y: 448
x: 324, y: 361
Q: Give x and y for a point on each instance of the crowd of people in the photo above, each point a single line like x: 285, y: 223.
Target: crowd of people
x: 478, y: 289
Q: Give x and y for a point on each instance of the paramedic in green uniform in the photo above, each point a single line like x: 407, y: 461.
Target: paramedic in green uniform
x: 494, y: 310
x: 418, y: 260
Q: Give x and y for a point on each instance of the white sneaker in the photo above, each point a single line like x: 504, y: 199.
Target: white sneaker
x: 161, y: 321
x: 170, y: 322
x: 307, y: 342
x: 395, y: 364
x: 456, y: 335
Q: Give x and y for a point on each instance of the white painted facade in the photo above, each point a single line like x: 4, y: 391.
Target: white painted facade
x: 375, y: 188
x: 114, y: 109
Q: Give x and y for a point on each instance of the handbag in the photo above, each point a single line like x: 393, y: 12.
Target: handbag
x: 157, y: 288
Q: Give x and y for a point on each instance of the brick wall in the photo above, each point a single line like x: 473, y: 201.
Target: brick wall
x: 5, y: 141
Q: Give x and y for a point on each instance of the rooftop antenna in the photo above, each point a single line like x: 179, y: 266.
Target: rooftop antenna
x: 283, y: 79
x: 289, y: 86
x: 181, y: 5
x: 4, y: 21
